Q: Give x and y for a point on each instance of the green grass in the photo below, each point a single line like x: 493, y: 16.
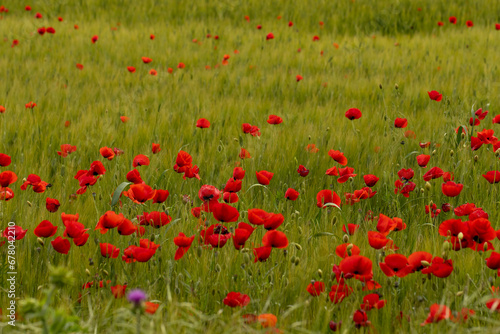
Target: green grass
x: 368, y: 71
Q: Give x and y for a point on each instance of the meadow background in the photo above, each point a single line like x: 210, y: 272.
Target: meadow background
x: 389, y: 55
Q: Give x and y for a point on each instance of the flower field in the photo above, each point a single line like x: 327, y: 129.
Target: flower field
x: 249, y: 166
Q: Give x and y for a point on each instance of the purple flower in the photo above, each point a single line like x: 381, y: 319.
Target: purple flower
x: 136, y: 296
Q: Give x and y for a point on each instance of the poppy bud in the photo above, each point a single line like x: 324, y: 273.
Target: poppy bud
x: 309, y: 137
x: 452, y: 153
x: 422, y: 190
x: 434, y: 152
x: 247, y: 257
x: 328, y: 129
x: 299, y: 247
x: 425, y: 263
x: 292, y: 259
x: 349, y: 247
x: 105, y: 272
x: 152, y: 238
x: 476, y: 158
x: 320, y: 273
x: 88, y: 272
x: 177, y: 291
x: 497, y: 152
x: 459, y: 293
x: 446, y: 246
x: 396, y: 86
x: 217, y: 268
x: 428, y: 186
x: 380, y: 86
x: 40, y: 241
x: 300, y: 230
x: 351, y: 179
x: 460, y: 236
x: 463, y: 135
x: 345, y: 238
x: 198, y: 251
x: 297, y: 261
x: 334, y: 221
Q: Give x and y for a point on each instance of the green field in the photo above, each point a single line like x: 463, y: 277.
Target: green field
x: 381, y: 57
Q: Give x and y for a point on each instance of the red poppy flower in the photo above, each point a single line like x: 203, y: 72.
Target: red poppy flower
x: 377, y: 240
x: 140, y: 160
x: 424, y: 144
x: 66, y: 149
x: 437, y: 312
x: 202, y: 123
x: 353, y: 114
x: 262, y: 253
x: 30, y: 105
x: 51, y: 30
x: 351, y: 228
x: 316, y: 288
x: 94, y: 39
x: 269, y: 36
x: 229, y: 197
x: 232, y: 185
x: 264, y: 177
x: 181, y: 65
x: 291, y: 194
x: 216, y: 235
x: 325, y: 197
x: 453, y: 20
x: 487, y: 137
x: 372, y: 301
x: 225, y: 213
x: 400, y: 123
x: 497, y: 26
x: 415, y: 260
x: 440, y: 268
x: 275, y: 239
x: 118, y: 291
x: 184, y: 243
x: 140, y: 193
x: 109, y: 250
x: 2, y: 109
x: 423, y: 160
x: 241, y: 235
x: 396, y: 265
x: 273, y: 119
x: 343, y: 251
x: 360, y: 319
x: 480, y: 114
x: 345, y: 174
x: 338, y: 157
x: 332, y: 171
x: 370, y: 180
x: 108, y: 221
x: 5, y: 160
x: 339, y: 292
x: 74, y: 229
x: 433, y: 173
x: 440, y: 23
x: 357, y: 266
x: 52, y: 204
x: 107, y: 153
x: 155, y: 148
x: 160, y: 196
x: 405, y: 174
x: 41, y: 31
x: 302, y: 171
x: 244, y: 154
x: 127, y: 228
x: 81, y: 240
x: 131, y: 69
x: 153, y: 72
x: 480, y: 230
x: 493, y: 304
x: 434, y: 95
x: 183, y: 162
x: 451, y: 189
x: 469, y: 24
x: 7, y: 178
x: 61, y: 245
x: 146, y: 60
x: 492, y: 176
x: 299, y: 77
x: 251, y: 129
x: 154, y: 218
x: 234, y: 299
x: 45, y: 229
x: 474, y: 121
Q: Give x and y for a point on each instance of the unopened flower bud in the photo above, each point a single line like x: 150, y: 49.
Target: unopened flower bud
x: 345, y: 238
x: 446, y: 246
x: 425, y: 263
x: 460, y: 236
x: 297, y: 261
x: 459, y: 293
x: 29, y: 203
x: 428, y: 186
x: 452, y: 153
x: 476, y: 158
x: 349, y: 247
x: 299, y: 247
x: 434, y: 152
x: 320, y: 273
x: 396, y: 86
x: 380, y: 86
x: 87, y: 272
